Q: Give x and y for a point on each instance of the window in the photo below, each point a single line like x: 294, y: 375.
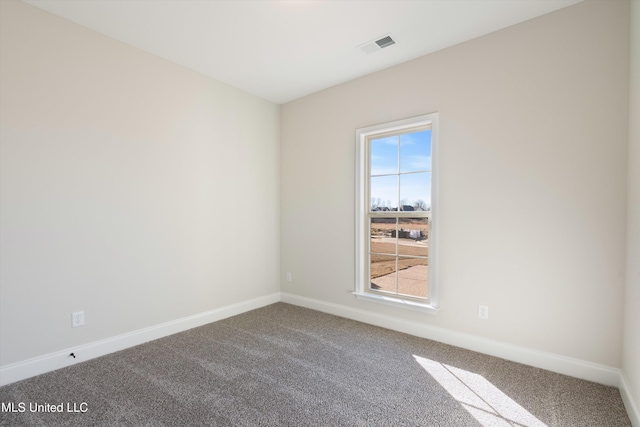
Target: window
x: 396, y: 213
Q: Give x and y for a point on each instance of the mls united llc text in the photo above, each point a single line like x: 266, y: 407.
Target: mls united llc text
x: 20, y: 407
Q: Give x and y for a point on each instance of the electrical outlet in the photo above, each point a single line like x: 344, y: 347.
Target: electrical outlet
x: 288, y: 277
x: 483, y: 312
x: 77, y: 319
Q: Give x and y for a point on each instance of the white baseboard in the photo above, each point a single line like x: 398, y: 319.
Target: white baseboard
x: 52, y: 361
x: 629, y: 402
x: 552, y: 362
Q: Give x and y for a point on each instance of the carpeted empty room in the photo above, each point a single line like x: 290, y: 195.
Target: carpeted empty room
x: 320, y: 213
x: 284, y: 365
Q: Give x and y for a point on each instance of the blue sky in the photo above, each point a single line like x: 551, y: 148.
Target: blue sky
x: 414, y: 150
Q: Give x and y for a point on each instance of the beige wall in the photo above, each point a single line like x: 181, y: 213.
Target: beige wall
x: 631, y: 361
x: 533, y: 145
x: 132, y: 188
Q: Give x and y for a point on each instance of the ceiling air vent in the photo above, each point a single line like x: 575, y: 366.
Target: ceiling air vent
x: 384, y: 42
x: 376, y: 45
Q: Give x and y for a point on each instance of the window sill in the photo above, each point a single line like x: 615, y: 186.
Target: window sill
x: 397, y: 302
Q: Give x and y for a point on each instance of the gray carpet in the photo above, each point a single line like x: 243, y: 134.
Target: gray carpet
x: 284, y: 365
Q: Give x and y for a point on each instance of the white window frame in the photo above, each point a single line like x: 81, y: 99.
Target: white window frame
x: 363, y: 135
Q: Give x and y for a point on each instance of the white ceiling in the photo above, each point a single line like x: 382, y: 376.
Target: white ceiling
x: 282, y: 50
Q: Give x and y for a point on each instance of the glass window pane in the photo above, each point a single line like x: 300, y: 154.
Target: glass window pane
x: 383, y: 235
x: 384, y: 155
x: 415, y: 151
x: 415, y: 191
x: 383, y: 273
x: 412, y: 277
x: 412, y: 236
x: 384, y: 193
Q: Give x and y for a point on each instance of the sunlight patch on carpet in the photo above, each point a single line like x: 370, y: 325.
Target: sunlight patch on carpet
x: 484, y: 401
